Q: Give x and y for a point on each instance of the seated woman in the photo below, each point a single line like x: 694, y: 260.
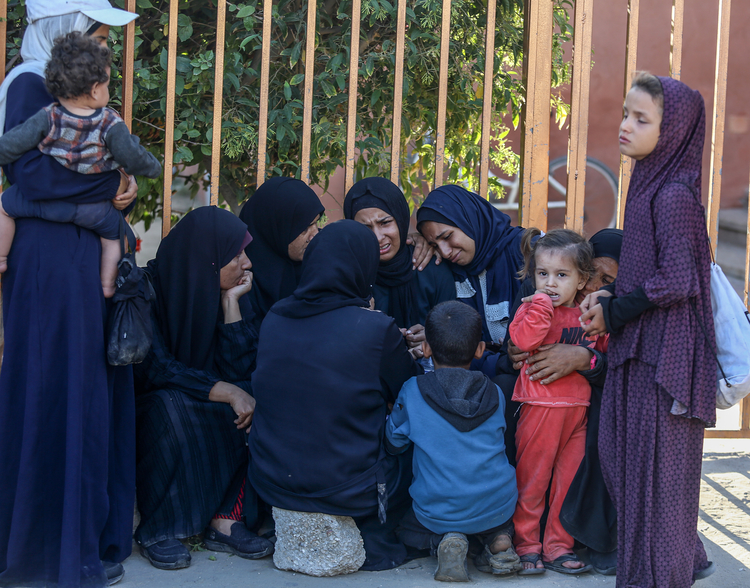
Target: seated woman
x: 193, y: 405
x: 282, y: 217
x: 316, y: 444
x: 587, y: 512
x: 400, y: 291
x: 483, y: 251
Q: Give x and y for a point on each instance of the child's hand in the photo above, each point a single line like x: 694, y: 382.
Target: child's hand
x: 530, y: 298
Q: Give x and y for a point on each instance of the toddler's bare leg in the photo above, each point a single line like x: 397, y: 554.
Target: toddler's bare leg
x: 7, y: 232
x: 108, y: 271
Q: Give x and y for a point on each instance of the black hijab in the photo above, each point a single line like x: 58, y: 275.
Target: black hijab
x: 279, y: 211
x: 186, y: 276
x: 396, y: 273
x: 339, y: 269
x: 607, y: 243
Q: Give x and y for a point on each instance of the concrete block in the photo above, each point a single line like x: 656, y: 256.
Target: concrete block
x: 317, y: 544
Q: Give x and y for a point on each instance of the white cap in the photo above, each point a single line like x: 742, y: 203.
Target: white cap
x: 98, y: 10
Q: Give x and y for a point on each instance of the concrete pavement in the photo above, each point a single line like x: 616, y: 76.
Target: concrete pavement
x: 724, y: 524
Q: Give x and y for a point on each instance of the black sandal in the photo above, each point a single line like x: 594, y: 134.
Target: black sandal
x: 557, y: 565
x: 532, y: 558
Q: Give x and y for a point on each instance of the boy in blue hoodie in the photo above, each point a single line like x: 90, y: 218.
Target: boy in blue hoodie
x: 463, y: 484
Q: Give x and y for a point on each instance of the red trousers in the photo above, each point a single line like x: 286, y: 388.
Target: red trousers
x: 550, y: 443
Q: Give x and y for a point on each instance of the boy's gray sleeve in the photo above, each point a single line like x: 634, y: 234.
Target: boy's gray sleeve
x: 23, y: 138
x: 130, y: 154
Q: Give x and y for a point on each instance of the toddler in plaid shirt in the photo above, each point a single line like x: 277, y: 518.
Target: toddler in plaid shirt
x: 82, y: 134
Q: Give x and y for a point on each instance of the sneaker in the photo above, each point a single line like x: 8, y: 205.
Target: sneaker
x: 451, y: 554
x: 501, y: 564
x: 114, y: 572
x: 242, y: 542
x: 169, y: 554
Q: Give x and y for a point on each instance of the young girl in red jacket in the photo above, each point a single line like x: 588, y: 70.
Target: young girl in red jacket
x: 551, y: 432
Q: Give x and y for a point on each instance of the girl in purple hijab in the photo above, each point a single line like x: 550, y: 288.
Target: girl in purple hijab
x: 660, y: 389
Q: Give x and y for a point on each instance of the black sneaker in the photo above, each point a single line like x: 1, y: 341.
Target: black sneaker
x: 114, y: 572
x: 169, y: 554
x: 242, y: 542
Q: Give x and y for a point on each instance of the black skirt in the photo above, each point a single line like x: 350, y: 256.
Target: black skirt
x: 191, y: 464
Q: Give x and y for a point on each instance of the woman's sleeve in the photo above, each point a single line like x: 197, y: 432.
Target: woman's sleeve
x: 40, y: 176
x: 679, y: 224
x: 237, y: 350
x: 161, y: 370
x: 396, y: 363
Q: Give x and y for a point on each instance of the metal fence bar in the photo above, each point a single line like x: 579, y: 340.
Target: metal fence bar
x: 307, y: 109
x: 579, y: 114
x: 398, y: 93
x: 221, y: 25
x: 351, y: 122
x: 717, y: 127
x: 675, y: 54
x: 264, y: 75
x: 631, y: 53
x: 128, y: 59
x: 537, y: 75
x: 445, y: 29
x: 489, y: 65
x: 166, y: 221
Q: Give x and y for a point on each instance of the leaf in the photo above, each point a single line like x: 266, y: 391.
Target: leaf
x: 184, y: 27
x: 295, y: 54
x: 183, y: 155
x: 375, y: 97
x: 245, y: 11
x: 287, y: 91
x: 179, y: 85
x: 369, y: 66
x: 328, y: 88
x: 297, y: 79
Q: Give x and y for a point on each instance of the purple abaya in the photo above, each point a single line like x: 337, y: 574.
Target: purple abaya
x: 660, y: 389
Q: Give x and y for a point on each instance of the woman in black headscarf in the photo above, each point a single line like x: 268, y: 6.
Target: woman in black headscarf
x: 400, y: 291
x: 316, y: 444
x: 192, y: 394
x: 282, y: 217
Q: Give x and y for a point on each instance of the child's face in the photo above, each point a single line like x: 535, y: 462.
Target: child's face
x: 557, y: 276
x: 641, y: 124
x: 100, y: 93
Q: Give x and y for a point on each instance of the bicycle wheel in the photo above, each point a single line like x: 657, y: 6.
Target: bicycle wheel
x: 600, y: 203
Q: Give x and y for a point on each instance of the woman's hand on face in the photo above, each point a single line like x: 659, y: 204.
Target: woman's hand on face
x: 592, y: 300
x: 422, y: 251
x: 127, y: 192
x: 554, y: 361
x: 516, y: 355
x: 243, y: 287
x: 593, y: 322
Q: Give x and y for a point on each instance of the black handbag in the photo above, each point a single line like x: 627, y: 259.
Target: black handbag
x: 129, y: 328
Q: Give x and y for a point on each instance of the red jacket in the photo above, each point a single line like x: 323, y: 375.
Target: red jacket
x: 539, y: 323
